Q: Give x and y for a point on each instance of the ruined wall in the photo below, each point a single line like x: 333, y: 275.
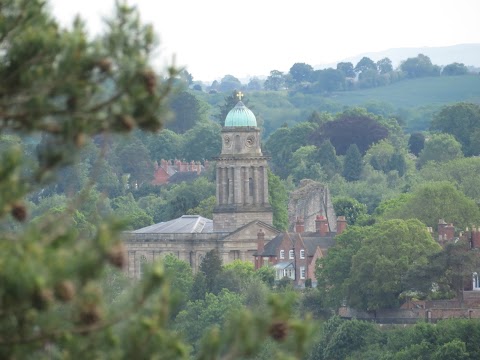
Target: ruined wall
x: 308, y: 201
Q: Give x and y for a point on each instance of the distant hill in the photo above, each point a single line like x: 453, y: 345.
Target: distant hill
x: 469, y: 54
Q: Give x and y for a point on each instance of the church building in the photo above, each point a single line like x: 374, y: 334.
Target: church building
x: 242, y: 224
x: 241, y: 211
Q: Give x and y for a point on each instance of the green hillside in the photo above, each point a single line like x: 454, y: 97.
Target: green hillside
x: 414, y: 101
x: 418, y: 92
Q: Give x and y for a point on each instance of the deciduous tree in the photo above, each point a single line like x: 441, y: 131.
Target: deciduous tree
x: 437, y: 200
x: 301, y: 72
x: 440, y: 148
x: 390, y: 250
x: 365, y: 64
x: 460, y: 120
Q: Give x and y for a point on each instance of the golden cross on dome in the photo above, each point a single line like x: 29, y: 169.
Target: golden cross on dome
x: 240, y: 95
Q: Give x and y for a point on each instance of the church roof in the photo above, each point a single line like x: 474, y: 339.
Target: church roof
x: 186, y: 224
x: 240, y: 115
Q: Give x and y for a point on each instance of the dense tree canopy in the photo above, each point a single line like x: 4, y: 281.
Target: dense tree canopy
x: 389, y: 251
x: 419, y: 66
x: 353, y: 127
x: 187, y: 112
x: 433, y: 201
x: 462, y: 120
x: 365, y: 64
x: 440, y: 148
x: 346, y: 68
x: 454, y: 69
x: 301, y: 72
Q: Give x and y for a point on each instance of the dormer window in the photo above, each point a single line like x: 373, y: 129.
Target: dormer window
x: 282, y: 254
x: 302, y: 254
x: 291, y: 254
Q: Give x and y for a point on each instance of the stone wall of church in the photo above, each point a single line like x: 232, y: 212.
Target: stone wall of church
x: 228, y: 222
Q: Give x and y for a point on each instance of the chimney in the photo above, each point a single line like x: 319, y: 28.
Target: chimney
x: 299, y: 225
x: 441, y: 229
x: 341, y: 224
x: 321, y: 225
x: 260, y: 242
x: 449, y: 232
x: 475, y: 238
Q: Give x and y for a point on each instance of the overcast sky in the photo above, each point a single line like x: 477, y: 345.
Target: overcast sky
x: 212, y: 38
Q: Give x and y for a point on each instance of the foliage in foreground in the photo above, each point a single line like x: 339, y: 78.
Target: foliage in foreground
x: 58, y: 298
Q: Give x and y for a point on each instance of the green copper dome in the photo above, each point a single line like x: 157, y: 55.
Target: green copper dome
x: 240, y: 115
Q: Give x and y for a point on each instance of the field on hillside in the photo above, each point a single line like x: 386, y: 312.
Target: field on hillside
x: 413, y: 101
x: 418, y: 92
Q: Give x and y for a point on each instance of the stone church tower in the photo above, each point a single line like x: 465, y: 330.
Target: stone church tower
x: 242, y: 180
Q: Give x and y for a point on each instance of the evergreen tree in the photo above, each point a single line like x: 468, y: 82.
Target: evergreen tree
x: 416, y: 142
x: 397, y: 162
x: 328, y: 159
x: 353, y: 166
x: 211, y: 267
x: 199, y: 287
x: 54, y: 298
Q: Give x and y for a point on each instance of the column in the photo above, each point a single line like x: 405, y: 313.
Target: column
x: 230, y: 185
x: 256, y: 197
x: 237, y: 185
x: 225, y: 185
x: 245, y: 185
x: 224, y: 257
x: 219, y: 193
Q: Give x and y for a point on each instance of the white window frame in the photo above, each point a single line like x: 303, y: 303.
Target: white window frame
x: 475, y: 281
x: 282, y: 254
x: 302, y: 254
x: 291, y: 254
x: 303, y: 272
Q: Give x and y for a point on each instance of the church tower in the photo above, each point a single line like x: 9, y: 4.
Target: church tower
x: 242, y: 180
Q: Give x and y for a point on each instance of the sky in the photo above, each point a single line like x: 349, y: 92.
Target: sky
x: 213, y: 38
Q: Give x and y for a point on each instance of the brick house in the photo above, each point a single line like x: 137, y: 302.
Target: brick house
x: 168, y: 170
x: 293, y: 254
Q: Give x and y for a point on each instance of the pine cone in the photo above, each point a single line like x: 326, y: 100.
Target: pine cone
x: 42, y: 298
x: 65, y: 291
x: 19, y: 211
x: 105, y: 65
x: 150, y: 81
x: 116, y: 255
x: 278, y: 330
x: 90, y: 315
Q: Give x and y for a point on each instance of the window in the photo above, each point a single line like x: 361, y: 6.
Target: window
x: 302, y: 272
x: 250, y: 186
x: 476, y: 282
x: 282, y: 254
x: 302, y: 254
x: 291, y: 254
